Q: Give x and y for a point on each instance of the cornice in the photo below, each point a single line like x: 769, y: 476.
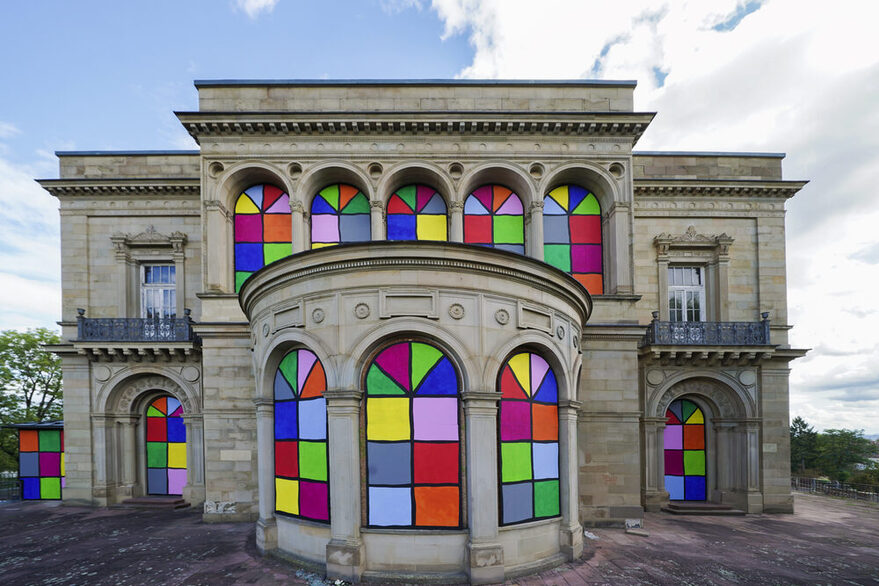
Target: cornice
x: 716, y: 188
x: 218, y: 124
x: 187, y: 186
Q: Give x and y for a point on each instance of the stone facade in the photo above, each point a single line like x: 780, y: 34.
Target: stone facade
x: 721, y: 212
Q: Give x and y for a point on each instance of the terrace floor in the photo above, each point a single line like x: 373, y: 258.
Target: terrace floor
x: 826, y: 541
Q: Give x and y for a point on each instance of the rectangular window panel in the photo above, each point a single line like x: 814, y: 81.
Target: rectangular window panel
x: 686, y: 294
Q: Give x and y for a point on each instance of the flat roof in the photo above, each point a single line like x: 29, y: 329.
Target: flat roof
x: 414, y: 82
x: 36, y: 425
x: 708, y: 154
x: 121, y: 153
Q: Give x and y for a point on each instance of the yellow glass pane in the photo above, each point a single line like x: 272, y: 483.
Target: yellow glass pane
x: 560, y: 194
x: 62, y: 464
x: 176, y: 455
x: 520, y: 364
x: 287, y: 495
x: 430, y: 228
x: 696, y: 417
x: 387, y: 419
x: 245, y: 205
x: 322, y: 244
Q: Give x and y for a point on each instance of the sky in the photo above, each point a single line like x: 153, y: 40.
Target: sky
x: 793, y: 76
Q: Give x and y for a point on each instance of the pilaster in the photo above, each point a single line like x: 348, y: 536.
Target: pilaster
x: 456, y: 217
x: 654, y: 495
x: 570, y: 532
x: 535, y: 243
x: 377, y: 219
x: 266, y: 527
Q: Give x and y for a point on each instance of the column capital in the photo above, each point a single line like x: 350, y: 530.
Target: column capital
x: 341, y: 395
x: 536, y: 206
x: 264, y: 406
x: 456, y: 206
x: 377, y: 204
x: 296, y: 206
x: 570, y: 404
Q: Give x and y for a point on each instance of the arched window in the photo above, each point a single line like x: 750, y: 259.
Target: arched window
x: 339, y: 215
x: 572, y: 234
x: 413, y: 449
x: 301, y: 459
x: 684, y: 442
x: 493, y: 217
x: 263, y: 232
x: 528, y: 432
x: 165, y: 447
x: 417, y: 212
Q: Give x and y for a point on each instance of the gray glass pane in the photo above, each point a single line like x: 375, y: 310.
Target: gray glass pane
x: 389, y: 463
x: 555, y: 230
x: 157, y: 481
x: 354, y: 228
x: 517, y: 248
x: 518, y: 502
x: 29, y: 464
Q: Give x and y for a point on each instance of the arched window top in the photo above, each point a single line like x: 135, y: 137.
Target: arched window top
x: 339, y: 215
x: 166, y: 447
x: 417, y: 212
x: 301, y: 458
x: 572, y: 234
x: 413, y: 448
x: 493, y: 216
x: 684, y: 443
x: 528, y: 433
x: 263, y: 229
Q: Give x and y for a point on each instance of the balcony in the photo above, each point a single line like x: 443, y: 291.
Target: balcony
x: 135, y: 338
x: 723, y: 342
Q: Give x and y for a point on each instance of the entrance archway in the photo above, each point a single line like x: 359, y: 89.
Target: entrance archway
x: 685, y: 451
x: 165, y: 447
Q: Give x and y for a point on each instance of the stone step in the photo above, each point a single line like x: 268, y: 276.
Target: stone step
x: 700, y: 508
x: 155, y: 502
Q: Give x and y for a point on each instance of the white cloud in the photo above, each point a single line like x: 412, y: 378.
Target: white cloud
x: 8, y: 130
x: 253, y: 8
x: 780, y: 76
x: 398, y: 6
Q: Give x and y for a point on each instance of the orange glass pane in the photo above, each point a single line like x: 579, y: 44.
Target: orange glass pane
x: 694, y: 437
x: 545, y: 422
x: 29, y: 440
x: 277, y: 228
x: 436, y: 506
x: 592, y: 283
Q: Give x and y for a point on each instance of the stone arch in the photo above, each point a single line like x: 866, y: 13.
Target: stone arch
x: 500, y: 173
x: 122, y: 394
x: 410, y: 172
x: 535, y: 342
x: 725, y: 396
x: 586, y: 174
x: 247, y: 174
x: 351, y: 370
x: 278, y: 347
x: 316, y: 177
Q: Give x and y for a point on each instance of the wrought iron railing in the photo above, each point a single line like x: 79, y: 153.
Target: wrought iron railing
x: 135, y: 329
x: 860, y: 492
x: 707, y: 333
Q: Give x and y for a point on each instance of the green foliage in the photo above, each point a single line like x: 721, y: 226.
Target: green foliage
x: 835, y: 453
x: 30, y: 385
x: 803, y: 446
x: 869, y: 475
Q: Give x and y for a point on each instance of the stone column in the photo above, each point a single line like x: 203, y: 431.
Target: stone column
x: 570, y: 532
x: 725, y: 459
x: 218, y: 275
x: 456, y: 221
x: 377, y: 218
x: 752, y: 439
x: 266, y: 526
x: 297, y: 219
x: 484, y: 553
x: 345, y: 548
x: 535, y: 238
x: 102, y: 426
x: 128, y: 434
x: 194, y: 491
x: 654, y: 495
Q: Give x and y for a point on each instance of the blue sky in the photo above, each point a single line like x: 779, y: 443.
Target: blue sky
x: 737, y: 75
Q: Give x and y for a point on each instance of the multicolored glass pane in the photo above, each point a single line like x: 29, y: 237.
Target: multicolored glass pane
x: 301, y: 460
x: 493, y: 217
x: 413, y: 438
x: 528, y: 432
x: 572, y: 234
x: 417, y: 212
x: 41, y: 463
x: 165, y: 447
x: 684, y: 438
x: 339, y: 215
x: 263, y: 230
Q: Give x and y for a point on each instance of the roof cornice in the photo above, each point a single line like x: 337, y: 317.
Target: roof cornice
x: 716, y: 188
x: 628, y: 83
x: 214, y: 124
x: 188, y: 186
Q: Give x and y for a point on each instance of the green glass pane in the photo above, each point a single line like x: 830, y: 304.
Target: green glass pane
x: 407, y: 194
x: 153, y: 412
x: 558, y: 255
x: 276, y: 250
x: 509, y: 230
x: 288, y: 369
x: 50, y: 440
x: 240, y: 277
x: 358, y: 205
x: 688, y: 408
x: 331, y: 194
x: 313, y: 460
x: 587, y: 207
x: 157, y: 455
x: 515, y: 461
x: 423, y: 359
x: 50, y: 488
x: 546, y: 498
x: 694, y: 462
x: 378, y: 383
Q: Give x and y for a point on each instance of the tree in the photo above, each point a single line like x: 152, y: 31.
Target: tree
x: 30, y: 385
x: 803, y: 445
x: 840, y: 449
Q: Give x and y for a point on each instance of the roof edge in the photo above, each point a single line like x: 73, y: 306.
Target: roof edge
x: 199, y: 83
x: 709, y: 154
x: 123, y: 153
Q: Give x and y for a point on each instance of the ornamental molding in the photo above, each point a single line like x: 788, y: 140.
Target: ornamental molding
x: 502, y: 124
x: 189, y: 187
x: 149, y: 238
x: 691, y: 240
x: 716, y: 188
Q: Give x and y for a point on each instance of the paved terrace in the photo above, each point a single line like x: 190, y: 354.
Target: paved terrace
x: 827, y: 541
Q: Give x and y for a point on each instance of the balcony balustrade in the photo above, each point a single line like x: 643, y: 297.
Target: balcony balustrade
x: 134, y: 329
x: 707, y: 333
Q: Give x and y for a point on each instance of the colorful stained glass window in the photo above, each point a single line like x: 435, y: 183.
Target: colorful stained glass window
x: 165, y: 447
x: 263, y: 230
x: 493, y: 217
x: 339, y: 215
x: 41, y: 463
x: 413, y: 451
x: 528, y: 431
x: 417, y: 212
x: 301, y: 461
x: 572, y: 234
x: 684, y: 438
